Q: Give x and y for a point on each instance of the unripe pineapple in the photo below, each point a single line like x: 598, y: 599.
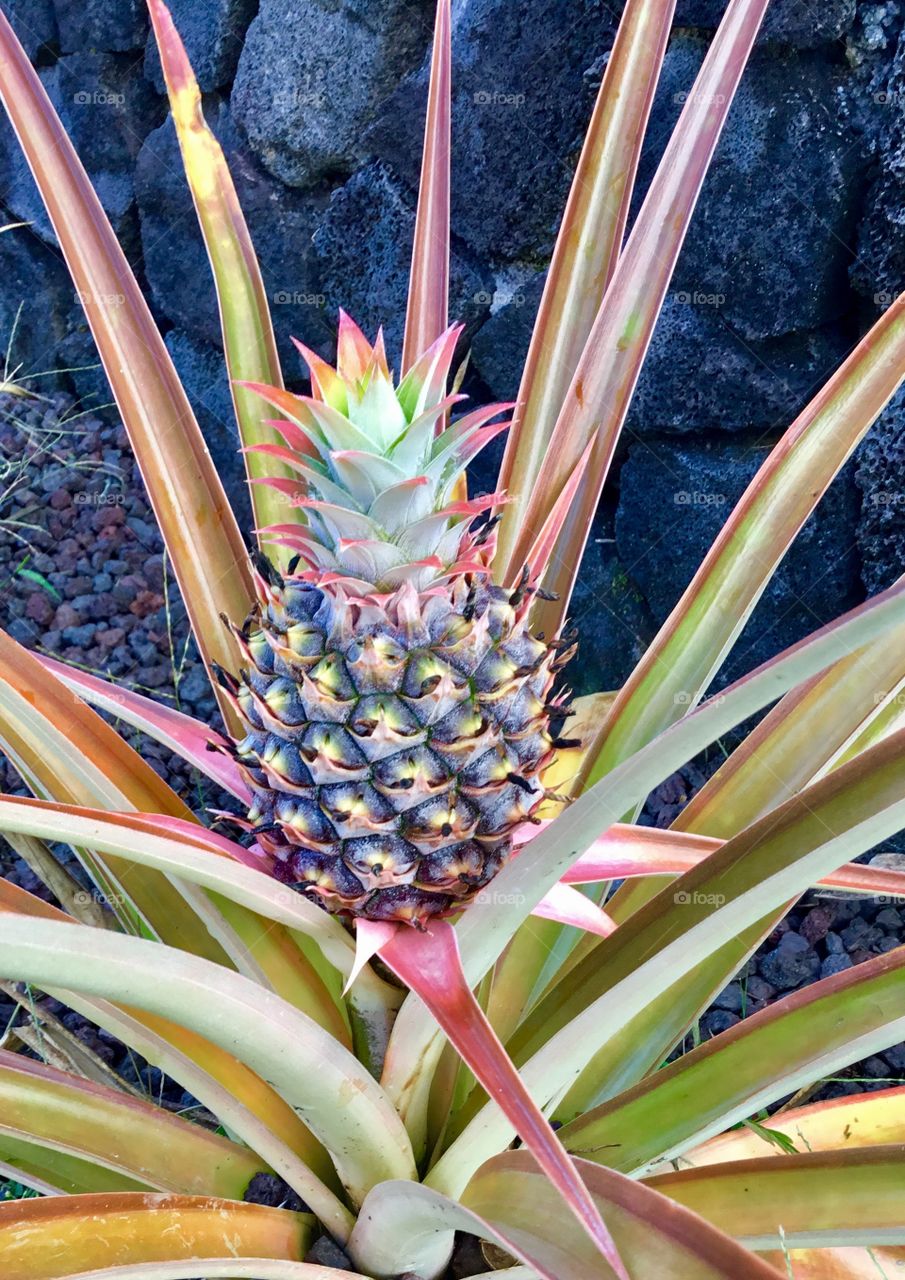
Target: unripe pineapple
x: 398, y: 707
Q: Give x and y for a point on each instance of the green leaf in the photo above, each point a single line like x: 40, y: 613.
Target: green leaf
x: 248, y: 341
x: 335, y: 1097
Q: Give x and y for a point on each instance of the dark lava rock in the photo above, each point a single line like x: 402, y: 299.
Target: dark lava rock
x: 730, y: 998
x: 363, y: 250
x: 611, y: 615
x: 816, y: 924
x: 880, y: 475
x: 834, y: 964
x: 213, y: 34
x: 112, y: 25
x: 769, y: 243
x: 311, y: 78
x: 281, y: 223
x: 327, y: 1253
x: 895, y: 1056
x: 35, y: 23
x: 701, y: 375
x: 791, y: 964
x: 521, y: 105
x: 878, y: 270
x: 717, y: 1020
x: 269, y: 1189
x: 794, y: 22
x: 37, y: 305
x: 203, y: 373
x: 501, y: 345
x: 675, y: 497
x: 107, y: 110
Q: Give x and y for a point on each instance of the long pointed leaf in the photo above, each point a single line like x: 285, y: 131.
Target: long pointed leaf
x: 431, y: 966
x: 41, y: 1104
x: 46, y: 1239
x: 862, y: 1120
x: 804, y: 732
x: 587, y: 248
x: 341, y: 1104
x: 690, y: 646
x: 769, y: 863
x: 511, y: 1203
x: 796, y: 740
x: 244, y: 1102
x: 183, y: 735
x: 606, y: 374
x: 202, y: 538
x: 810, y: 1033
x: 55, y: 1173
x: 812, y: 1199
x: 427, y: 315
x: 248, y: 342
x: 64, y: 750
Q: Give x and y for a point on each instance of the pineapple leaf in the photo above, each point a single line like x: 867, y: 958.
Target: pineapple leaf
x: 587, y: 248
x: 428, y: 298
x: 202, y: 538
x: 248, y: 341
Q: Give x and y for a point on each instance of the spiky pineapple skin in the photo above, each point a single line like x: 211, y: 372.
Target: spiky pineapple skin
x: 394, y: 743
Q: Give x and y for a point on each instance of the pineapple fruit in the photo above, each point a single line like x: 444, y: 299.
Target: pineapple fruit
x: 399, y: 710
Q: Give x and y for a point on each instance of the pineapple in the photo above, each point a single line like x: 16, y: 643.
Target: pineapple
x: 399, y: 709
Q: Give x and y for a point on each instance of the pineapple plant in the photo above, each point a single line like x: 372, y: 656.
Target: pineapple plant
x: 389, y: 679
x: 398, y: 706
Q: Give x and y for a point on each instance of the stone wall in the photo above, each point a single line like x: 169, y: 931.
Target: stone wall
x: 797, y: 244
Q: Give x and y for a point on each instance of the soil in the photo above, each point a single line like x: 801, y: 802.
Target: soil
x: 84, y: 578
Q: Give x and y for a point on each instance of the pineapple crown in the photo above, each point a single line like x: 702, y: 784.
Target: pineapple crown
x: 380, y: 473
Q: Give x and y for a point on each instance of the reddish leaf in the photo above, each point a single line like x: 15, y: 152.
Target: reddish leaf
x: 430, y: 964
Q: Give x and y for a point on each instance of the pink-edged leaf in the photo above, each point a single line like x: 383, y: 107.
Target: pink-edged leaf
x: 184, y: 735
x: 425, y: 383
x: 545, y: 542
x: 566, y: 905
x: 249, y: 345
x: 625, y: 852
x: 430, y: 964
x: 607, y: 372
x: 203, y: 540
x: 353, y: 351
x: 587, y: 246
x: 428, y: 301
x: 326, y: 384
